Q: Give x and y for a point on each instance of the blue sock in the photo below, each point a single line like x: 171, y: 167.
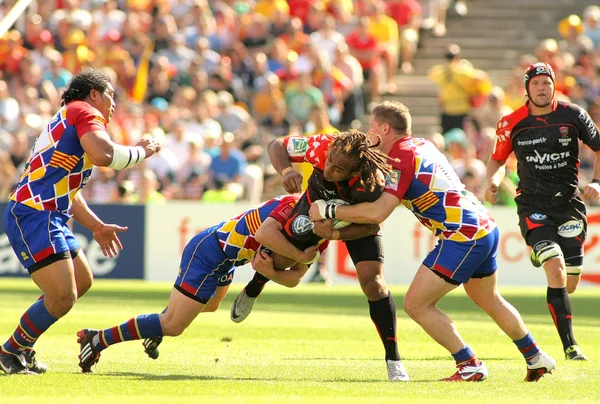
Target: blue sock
x: 527, y: 346
x: 463, y: 355
x: 34, y: 322
x: 144, y: 326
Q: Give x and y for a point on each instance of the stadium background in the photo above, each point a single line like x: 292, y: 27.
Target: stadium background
x: 216, y: 80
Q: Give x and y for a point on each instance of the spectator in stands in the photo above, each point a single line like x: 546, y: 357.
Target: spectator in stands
x: 591, y: 18
x: 408, y: 15
x: 228, y: 165
x: 302, y: 98
x: 453, y: 79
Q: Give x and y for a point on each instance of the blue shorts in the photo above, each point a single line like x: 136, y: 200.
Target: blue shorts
x: 38, y: 237
x: 458, y: 262
x: 204, y: 266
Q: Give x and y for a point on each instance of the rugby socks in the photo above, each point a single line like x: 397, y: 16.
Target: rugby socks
x: 527, y: 346
x: 464, y: 355
x: 560, y: 309
x: 383, y: 314
x: 144, y: 326
x: 34, y: 322
x: 256, y: 285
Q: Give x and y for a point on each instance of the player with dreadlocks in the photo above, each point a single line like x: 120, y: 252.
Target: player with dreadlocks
x: 347, y: 166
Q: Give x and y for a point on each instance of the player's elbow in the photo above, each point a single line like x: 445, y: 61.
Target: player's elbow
x: 100, y: 158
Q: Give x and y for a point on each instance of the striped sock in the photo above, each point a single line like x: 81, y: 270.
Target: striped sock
x: 144, y: 326
x: 527, y: 346
x: 34, y: 322
x: 464, y: 355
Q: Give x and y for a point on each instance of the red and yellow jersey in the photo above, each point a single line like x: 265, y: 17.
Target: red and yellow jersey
x: 424, y: 181
x: 58, y: 166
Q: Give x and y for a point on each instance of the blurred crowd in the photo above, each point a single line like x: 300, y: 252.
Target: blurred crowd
x: 215, y: 81
x: 471, y: 105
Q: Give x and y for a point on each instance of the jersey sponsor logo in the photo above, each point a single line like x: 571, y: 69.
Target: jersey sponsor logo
x: 502, y: 136
x: 548, y: 161
x: 572, y: 228
x: 392, y: 180
x: 531, y: 142
x: 587, y: 121
x: 538, y: 216
x: 226, y: 278
x: 301, y: 225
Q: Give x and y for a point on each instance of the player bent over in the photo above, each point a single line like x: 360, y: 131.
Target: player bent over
x: 347, y: 166
x: 205, y: 273
x: 426, y: 184
x: 47, y: 195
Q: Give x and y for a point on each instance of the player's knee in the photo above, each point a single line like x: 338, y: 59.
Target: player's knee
x: 546, y: 251
x: 372, y: 282
x: 573, y: 279
x: 412, y: 308
x: 61, y: 303
x: 84, y: 285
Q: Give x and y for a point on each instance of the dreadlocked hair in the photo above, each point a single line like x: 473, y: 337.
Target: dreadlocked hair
x: 371, y: 161
x: 80, y: 86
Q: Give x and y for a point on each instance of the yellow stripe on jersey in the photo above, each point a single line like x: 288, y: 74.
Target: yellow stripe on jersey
x: 62, y: 160
x: 425, y: 201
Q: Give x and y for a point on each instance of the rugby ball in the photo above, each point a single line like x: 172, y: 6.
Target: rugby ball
x: 338, y: 224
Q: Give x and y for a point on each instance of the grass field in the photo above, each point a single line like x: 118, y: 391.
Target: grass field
x: 309, y: 344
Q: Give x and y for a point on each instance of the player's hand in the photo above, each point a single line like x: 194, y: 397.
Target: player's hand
x: 106, y: 236
x: 310, y: 255
x: 292, y: 182
x: 591, y: 192
x: 263, y: 263
x: 317, y: 210
x: 324, y: 228
x: 491, y: 193
x: 150, y: 146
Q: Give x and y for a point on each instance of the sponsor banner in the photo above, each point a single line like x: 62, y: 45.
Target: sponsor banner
x: 127, y: 265
x: 169, y: 227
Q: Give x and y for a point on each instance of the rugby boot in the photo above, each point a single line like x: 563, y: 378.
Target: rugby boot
x: 242, y: 307
x: 473, y: 370
x: 88, y: 354
x: 573, y: 353
x: 14, y: 365
x: 540, y: 364
x: 396, y: 371
x: 32, y: 363
x: 151, y: 347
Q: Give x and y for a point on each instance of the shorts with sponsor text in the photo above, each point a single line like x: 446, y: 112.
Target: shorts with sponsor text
x: 204, y: 266
x: 460, y: 261
x: 562, y: 220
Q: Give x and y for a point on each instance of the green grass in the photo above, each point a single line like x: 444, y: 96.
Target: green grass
x: 310, y: 344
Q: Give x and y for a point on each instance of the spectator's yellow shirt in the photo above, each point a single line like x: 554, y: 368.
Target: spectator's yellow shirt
x: 306, y: 169
x: 384, y: 28
x: 348, y: 5
x: 454, y: 82
x: 268, y: 7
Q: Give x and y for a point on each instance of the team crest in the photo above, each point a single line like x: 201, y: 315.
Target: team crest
x: 564, y: 130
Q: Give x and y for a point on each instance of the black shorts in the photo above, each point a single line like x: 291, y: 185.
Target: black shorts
x: 367, y: 248
x: 561, y: 220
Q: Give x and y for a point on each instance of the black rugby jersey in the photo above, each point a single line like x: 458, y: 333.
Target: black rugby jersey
x: 546, y: 147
